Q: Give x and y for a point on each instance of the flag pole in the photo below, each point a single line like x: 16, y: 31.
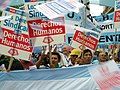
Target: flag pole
x: 86, y: 3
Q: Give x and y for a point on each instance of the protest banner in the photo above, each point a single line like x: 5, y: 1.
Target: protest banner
x: 15, y: 41
x: 5, y: 17
x: 86, y: 38
x: 104, y: 17
x: 109, y: 35
x: 72, y: 78
x: 58, y: 8
x: 32, y: 12
x: 42, y: 30
x: 107, y: 26
x: 110, y: 38
x: 69, y: 38
x: 117, y: 14
x: 72, y: 20
x: 47, y: 32
x: 106, y: 75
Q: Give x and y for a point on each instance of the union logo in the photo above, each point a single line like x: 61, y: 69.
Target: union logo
x: 48, y: 40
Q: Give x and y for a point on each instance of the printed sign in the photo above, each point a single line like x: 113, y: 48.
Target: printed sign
x: 72, y: 20
x: 110, y: 38
x: 107, y: 26
x: 117, y: 14
x: 47, y: 32
x: 58, y: 8
x: 69, y: 38
x: 109, y: 35
x: 84, y: 37
x: 4, y: 17
x: 104, y: 17
x: 32, y: 12
x: 15, y: 41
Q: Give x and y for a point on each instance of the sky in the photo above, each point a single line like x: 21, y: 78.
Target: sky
x: 96, y: 10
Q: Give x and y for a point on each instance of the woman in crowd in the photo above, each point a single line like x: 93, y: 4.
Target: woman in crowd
x: 55, y: 60
x: 52, y: 62
x: 86, y: 57
x: 102, y: 57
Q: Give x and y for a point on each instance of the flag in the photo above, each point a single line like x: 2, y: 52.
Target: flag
x: 72, y: 78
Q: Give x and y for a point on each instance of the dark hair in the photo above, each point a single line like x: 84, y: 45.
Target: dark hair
x: 87, y: 50
x: 2, y: 57
x: 58, y: 55
x: 96, y: 53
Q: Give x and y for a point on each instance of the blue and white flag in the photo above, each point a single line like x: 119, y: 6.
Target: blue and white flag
x: 77, y: 78
x: 72, y: 78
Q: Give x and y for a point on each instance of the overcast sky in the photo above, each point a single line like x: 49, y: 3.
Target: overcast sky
x: 96, y: 10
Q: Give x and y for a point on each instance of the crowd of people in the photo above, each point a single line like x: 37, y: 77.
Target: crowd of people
x: 68, y: 57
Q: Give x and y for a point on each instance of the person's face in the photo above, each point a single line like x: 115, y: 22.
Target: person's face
x: 102, y: 57
x: 87, y: 58
x: 65, y: 50
x: 54, y: 59
x: 115, y: 56
x: 79, y: 61
x: 73, y: 58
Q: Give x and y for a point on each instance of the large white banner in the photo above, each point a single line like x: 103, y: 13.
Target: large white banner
x: 58, y: 8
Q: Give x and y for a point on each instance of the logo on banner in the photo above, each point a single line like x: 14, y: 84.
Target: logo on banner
x: 13, y: 52
x: 35, y: 27
x: 48, y: 40
x: 82, y: 47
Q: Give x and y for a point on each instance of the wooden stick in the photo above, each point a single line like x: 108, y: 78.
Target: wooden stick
x: 10, y: 64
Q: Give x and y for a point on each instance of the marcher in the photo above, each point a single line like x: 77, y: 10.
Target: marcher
x: 86, y: 56
x: 74, y: 55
